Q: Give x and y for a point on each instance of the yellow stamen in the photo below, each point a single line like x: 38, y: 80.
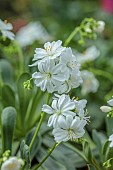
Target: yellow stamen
x: 5, y: 21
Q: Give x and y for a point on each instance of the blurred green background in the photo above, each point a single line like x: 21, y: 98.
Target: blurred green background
x: 60, y: 17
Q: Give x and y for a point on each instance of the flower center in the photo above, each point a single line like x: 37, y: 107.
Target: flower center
x: 48, y: 75
x: 49, y: 50
x: 72, y: 64
x: 59, y: 112
x: 10, y: 166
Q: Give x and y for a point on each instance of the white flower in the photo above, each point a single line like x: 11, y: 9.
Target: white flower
x: 100, y: 27
x: 61, y: 107
x: 90, y: 83
x: 50, y: 51
x: 68, y: 61
x: 49, y: 76
x: 12, y: 164
x: 79, y: 109
x: 5, y: 29
x: 69, y: 129
x: 110, y: 102
x: 111, y: 140
x: 105, y: 109
x: 32, y: 32
x: 90, y: 54
x: 73, y: 82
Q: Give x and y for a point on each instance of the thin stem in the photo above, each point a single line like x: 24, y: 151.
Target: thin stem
x: 80, y: 153
x: 21, y: 57
x: 102, y: 73
x: 95, y: 163
x: 71, y: 36
x: 49, y: 153
x: 38, y: 127
x: 37, y: 130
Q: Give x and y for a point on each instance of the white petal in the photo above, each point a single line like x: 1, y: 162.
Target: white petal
x: 110, y: 102
x: 47, y: 109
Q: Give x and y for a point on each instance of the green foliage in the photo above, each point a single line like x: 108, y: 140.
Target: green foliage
x: 25, y: 155
x: 8, y: 120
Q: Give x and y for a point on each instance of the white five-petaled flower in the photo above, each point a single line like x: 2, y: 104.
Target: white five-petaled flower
x: 61, y: 107
x: 69, y: 129
x: 5, y: 29
x: 49, y: 76
x: 68, y: 61
x: 90, y: 83
x: 111, y: 140
x: 12, y: 164
x: 80, y: 106
x: 73, y: 81
x: 50, y: 51
x: 107, y: 109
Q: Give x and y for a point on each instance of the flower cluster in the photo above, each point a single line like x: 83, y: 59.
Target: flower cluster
x: 58, y: 69
x: 68, y: 118
x: 5, y: 29
x: 97, y: 26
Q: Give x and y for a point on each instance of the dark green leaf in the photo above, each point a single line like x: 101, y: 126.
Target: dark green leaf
x: 36, y: 145
x: 8, y: 119
x: 8, y: 96
x: 25, y: 154
x: 87, y: 151
x: 6, y: 71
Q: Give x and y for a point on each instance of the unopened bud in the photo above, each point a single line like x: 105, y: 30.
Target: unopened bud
x: 105, y: 109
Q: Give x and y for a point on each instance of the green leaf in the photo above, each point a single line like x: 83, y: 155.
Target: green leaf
x: 8, y: 96
x: 99, y: 139
x: 37, y: 144
x: 8, y: 119
x: 87, y: 151
x: 24, y: 98
x: 6, y: 71
x: 107, y: 151
x: 63, y: 157
x: 109, y: 125
x: 25, y: 154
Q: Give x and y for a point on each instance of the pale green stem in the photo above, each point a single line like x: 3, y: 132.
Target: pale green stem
x: 49, y: 153
x: 102, y: 73
x: 71, y: 36
x: 21, y: 57
x: 95, y: 163
x: 38, y: 127
x: 37, y: 130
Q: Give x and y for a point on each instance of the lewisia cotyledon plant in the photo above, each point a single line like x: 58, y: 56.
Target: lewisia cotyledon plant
x: 67, y: 117
x: 5, y: 29
x: 58, y: 69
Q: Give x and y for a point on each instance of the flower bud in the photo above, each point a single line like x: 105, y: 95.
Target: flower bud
x: 105, y: 109
x: 100, y: 27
